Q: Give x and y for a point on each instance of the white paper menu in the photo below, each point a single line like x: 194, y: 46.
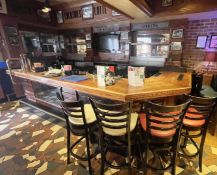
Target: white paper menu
x: 101, y: 73
x: 136, y: 76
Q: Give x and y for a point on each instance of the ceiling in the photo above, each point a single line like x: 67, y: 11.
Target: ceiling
x: 136, y: 14
x: 68, y: 2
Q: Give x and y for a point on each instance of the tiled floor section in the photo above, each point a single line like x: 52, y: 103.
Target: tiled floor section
x: 32, y: 142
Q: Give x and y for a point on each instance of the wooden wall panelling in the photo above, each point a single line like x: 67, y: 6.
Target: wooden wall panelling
x: 25, y: 10
x: 175, y: 57
x: 102, y: 15
x: 114, y: 8
x: 11, y: 51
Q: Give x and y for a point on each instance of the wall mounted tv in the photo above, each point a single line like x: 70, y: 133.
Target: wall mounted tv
x: 106, y: 42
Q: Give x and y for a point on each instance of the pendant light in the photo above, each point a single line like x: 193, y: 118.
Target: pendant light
x: 46, y: 8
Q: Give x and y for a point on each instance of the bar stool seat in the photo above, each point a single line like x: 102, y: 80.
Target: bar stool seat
x: 158, y: 133
x: 89, y: 115
x: 123, y: 131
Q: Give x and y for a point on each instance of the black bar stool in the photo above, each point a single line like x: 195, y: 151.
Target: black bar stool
x: 81, y: 121
x: 117, y: 131
x: 197, y: 119
x: 160, y: 133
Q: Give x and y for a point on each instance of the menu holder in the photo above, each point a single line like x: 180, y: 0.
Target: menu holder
x: 136, y: 76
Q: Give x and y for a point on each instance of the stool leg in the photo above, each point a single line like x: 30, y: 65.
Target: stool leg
x: 214, y: 121
x: 88, y: 155
x: 129, y: 159
x: 201, y: 150
x: 68, y: 145
x: 174, y: 162
x: 146, y: 159
x: 185, y: 139
x: 102, y: 150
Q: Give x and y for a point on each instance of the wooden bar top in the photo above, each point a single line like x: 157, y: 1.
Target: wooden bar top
x: 164, y: 85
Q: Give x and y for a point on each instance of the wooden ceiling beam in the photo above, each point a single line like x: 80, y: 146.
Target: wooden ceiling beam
x: 144, y: 6
x: 67, y: 5
x: 114, y: 8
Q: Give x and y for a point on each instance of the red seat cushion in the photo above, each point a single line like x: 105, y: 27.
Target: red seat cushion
x: 159, y: 133
x: 193, y: 123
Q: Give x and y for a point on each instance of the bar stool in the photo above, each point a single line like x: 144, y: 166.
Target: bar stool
x: 81, y: 121
x: 196, y: 119
x: 211, y: 92
x: 160, y: 132
x: 117, y: 131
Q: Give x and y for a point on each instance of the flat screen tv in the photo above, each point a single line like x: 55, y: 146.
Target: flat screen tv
x: 106, y: 42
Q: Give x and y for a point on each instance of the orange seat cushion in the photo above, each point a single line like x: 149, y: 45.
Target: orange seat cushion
x: 159, y: 133
x: 193, y: 123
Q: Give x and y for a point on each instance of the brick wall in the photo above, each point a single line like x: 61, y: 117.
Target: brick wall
x: 191, y: 55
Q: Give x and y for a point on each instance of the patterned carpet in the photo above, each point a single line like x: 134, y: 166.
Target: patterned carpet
x: 32, y: 142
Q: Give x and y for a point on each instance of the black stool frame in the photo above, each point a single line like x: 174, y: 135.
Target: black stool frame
x: 162, y: 146
x: 78, y: 130
x: 204, y: 107
x: 108, y: 113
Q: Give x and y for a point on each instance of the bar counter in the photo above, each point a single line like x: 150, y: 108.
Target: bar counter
x: 164, y: 85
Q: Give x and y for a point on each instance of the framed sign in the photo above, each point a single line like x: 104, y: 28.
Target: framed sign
x: 114, y: 13
x: 88, y: 36
x: 3, y: 7
x: 176, y: 46
x: 201, y: 41
x: 59, y: 17
x: 13, y: 40
x: 87, y: 12
x: 177, y: 33
x: 12, y: 35
x: 213, y: 41
x: 89, y: 46
x: 149, y: 26
x: 166, y: 3
x: 11, y: 30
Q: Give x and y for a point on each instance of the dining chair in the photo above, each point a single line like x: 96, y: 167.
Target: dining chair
x: 160, y: 133
x: 117, y: 127
x: 195, y: 126
x: 80, y: 121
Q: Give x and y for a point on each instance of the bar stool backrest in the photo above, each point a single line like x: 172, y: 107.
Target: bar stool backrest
x: 112, y: 116
x: 67, y: 95
x: 162, y: 118
x: 72, y: 109
x: 200, y: 108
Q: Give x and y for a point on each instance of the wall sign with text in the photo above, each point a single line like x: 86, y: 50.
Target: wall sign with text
x: 149, y: 26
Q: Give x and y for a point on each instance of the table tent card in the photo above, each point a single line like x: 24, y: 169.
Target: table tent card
x: 105, y: 75
x: 136, y: 76
x: 101, y: 73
